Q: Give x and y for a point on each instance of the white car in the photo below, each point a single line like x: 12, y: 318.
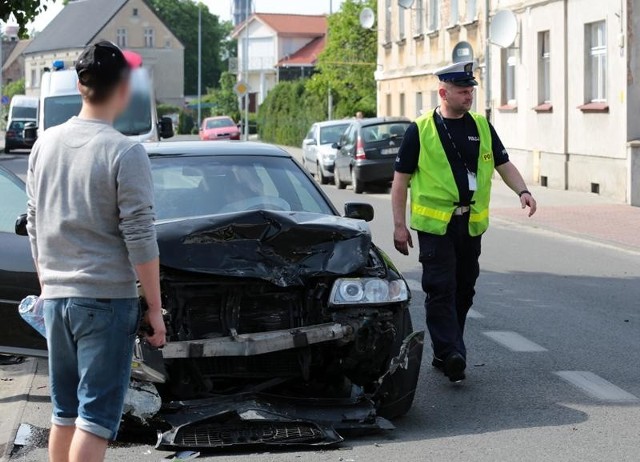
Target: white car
x: 318, y: 155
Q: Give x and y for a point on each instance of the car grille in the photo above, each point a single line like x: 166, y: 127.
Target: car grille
x: 211, y: 435
x: 279, y: 364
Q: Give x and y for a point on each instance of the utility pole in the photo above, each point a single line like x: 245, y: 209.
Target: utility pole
x: 329, y: 94
x: 487, y: 61
x: 245, y: 58
x: 199, y: 65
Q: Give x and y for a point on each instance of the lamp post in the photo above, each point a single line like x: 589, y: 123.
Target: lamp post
x: 487, y: 61
x: 329, y: 94
x: 199, y: 65
x: 245, y: 59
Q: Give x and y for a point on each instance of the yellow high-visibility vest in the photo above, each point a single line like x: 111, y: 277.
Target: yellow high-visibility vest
x: 434, y: 193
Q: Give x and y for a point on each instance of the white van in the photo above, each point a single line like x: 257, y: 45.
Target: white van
x: 60, y: 100
x: 24, y: 108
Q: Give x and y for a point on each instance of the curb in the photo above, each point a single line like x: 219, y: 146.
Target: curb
x: 18, y: 409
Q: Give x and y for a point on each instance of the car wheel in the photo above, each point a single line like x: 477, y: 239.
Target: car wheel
x: 322, y: 179
x: 396, y: 393
x: 336, y: 179
x: 7, y: 150
x: 358, y: 185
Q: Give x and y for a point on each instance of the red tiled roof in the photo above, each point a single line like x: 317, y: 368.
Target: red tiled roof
x: 305, y: 56
x: 291, y: 24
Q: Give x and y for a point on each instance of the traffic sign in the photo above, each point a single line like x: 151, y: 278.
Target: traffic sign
x: 241, y: 88
x: 5, y: 99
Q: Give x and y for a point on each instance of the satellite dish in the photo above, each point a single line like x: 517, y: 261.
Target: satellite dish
x: 503, y: 29
x: 462, y: 52
x: 367, y: 18
x: 406, y: 4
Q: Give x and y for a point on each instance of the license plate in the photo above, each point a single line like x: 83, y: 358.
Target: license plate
x: 389, y: 151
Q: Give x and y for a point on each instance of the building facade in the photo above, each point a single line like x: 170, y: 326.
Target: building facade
x: 563, y: 96
x: 131, y: 24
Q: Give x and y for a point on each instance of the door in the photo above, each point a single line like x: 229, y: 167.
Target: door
x: 347, y: 146
x: 17, y: 272
x: 308, y: 154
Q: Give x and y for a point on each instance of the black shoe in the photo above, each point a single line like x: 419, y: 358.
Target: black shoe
x: 454, y: 367
x: 438, y: 364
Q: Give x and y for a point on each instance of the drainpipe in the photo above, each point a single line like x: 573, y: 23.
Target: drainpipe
x: 487, y: 61
x: 566, y: 94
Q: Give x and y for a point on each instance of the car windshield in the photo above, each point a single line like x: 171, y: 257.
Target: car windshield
x: 384, y: 131
x: 210, y: 185
x: 332, y: 134
x: 220, y: 123
x: 13, y: 203
x: 21, y: 112
x: 17, y: 124
x: 136, y: 120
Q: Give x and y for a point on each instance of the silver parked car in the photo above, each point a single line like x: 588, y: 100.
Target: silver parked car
x: 318, y: 155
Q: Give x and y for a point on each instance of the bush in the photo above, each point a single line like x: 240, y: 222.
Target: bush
x: 185, y: 123
x: 166, y: 109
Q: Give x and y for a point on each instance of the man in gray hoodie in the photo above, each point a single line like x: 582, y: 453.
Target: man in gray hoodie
x: 91, y: 226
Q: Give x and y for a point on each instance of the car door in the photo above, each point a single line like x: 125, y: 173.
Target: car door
x: 347, y: 143
x: 17, y: 272
x: 308, y: 152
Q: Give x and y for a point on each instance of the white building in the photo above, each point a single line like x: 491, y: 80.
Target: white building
x: 280, y: 46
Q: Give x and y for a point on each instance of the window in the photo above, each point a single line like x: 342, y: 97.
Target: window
x: 434, y: 15
x: 509, y: 76
x: 135, y: 12
x: 454, y: 15
x: 544, y: 68
x: 121, y: 38
x: 418, y: 103
x: 418, y: 18
x: 387, y: 21
x: 596, y: 62
x: 34, y: 83
x: 402, y: 105
x: 472, y: 11
x: 14, y: 201
x: 149, y: 38
x: 401, y: 29
x: 435, y: 98
x: 389, y: 105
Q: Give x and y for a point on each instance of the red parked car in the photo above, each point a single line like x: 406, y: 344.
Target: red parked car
x: 219, y: 128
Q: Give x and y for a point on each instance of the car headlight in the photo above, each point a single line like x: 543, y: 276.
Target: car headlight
x: 367, y: 291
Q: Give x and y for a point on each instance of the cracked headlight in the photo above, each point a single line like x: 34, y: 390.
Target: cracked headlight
x: 367, y: 291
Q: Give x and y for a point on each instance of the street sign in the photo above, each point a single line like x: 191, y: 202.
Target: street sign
x: 241, y: 88
x: 462, y: 52
x: 5, y: 99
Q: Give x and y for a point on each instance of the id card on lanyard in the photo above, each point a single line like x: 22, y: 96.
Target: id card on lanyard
x: 471, y: 177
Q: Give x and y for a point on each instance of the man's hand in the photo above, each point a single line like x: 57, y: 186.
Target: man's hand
x: 402, y: 240
x: 157, y: 330
x: 527, y: 200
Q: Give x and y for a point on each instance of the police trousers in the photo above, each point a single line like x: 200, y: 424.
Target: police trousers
x: 450, y: 269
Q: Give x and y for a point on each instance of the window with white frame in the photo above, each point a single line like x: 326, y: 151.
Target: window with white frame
x: 454, y: 14
x: 419, y: 103
x: 149, y: 38
x: 387, y: 21
x: 418, y: 18
x: 389, y: 105
x: 509, y: 61
x: 402, y: 107
x: 401, y: 29
x: 34, y: 83
x: 596, y: 62
x: 544, y: 67
x: 434, y: 15
x: 471, y: 11
x: 121, y: 37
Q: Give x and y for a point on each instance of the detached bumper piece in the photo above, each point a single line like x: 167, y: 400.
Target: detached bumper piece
x: 265, y: 420
x: 258, y: 343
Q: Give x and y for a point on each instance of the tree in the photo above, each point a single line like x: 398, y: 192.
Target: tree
x: 224, y: 98
x: 348, y: 62
x: 24, y: 11
x: 14, y: 88
x: 182, y: 18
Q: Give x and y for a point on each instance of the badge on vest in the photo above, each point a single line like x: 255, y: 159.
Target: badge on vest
x: 473, y: 182
x: 487, y: 156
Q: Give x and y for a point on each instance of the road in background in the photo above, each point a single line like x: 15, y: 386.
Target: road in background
x: 553, y: 347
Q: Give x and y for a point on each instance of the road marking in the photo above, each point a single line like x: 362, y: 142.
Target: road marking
x: 416, y: 286
x: 514, y: 341
x: 596, y: 387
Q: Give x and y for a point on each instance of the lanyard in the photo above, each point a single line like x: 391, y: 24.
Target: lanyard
x: 453, y: 143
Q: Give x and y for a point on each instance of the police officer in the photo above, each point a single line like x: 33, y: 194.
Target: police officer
x: 448, y: 155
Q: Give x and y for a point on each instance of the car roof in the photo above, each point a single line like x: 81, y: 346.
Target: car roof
x: 331, y: 123
x: 214, y: 148
x: 218, y: 117
x: 380, y: 120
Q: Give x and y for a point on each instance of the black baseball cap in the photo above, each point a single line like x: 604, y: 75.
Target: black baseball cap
x: 102, y: 64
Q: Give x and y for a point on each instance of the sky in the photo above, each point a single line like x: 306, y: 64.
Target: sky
x: 222, y: 8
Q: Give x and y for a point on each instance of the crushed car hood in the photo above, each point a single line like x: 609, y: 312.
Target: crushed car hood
x: 284, y: 248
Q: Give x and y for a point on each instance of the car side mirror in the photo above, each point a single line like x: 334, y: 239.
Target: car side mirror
x: 335, y: 146
x: 21, y: 225
x: 308, y: 141
x: 166, y: 127
x: 30, y: 131
x: 358, y: 211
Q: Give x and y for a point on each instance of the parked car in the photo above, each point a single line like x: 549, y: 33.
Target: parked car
x: 318, y: 153
x: 219, y: 128
x: 367, y: 152
x: 14, y: 137
x: 23, y: 107
x: 285, y: 323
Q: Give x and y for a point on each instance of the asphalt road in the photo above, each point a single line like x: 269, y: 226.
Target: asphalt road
x: 553, y: 360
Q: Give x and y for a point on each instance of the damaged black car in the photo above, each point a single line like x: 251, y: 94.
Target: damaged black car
x: 286, y: 325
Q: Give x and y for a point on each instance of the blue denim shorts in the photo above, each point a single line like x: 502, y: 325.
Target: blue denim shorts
x: 90, y: 345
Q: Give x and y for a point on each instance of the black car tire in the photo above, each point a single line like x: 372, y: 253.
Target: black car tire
x: 322, y: 179
x: 397, y: 391
x: 358, y: 185
x: 336, y: 179
x: 7, y: 150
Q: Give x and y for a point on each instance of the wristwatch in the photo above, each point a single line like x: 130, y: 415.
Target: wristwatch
x: 524, y: 192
